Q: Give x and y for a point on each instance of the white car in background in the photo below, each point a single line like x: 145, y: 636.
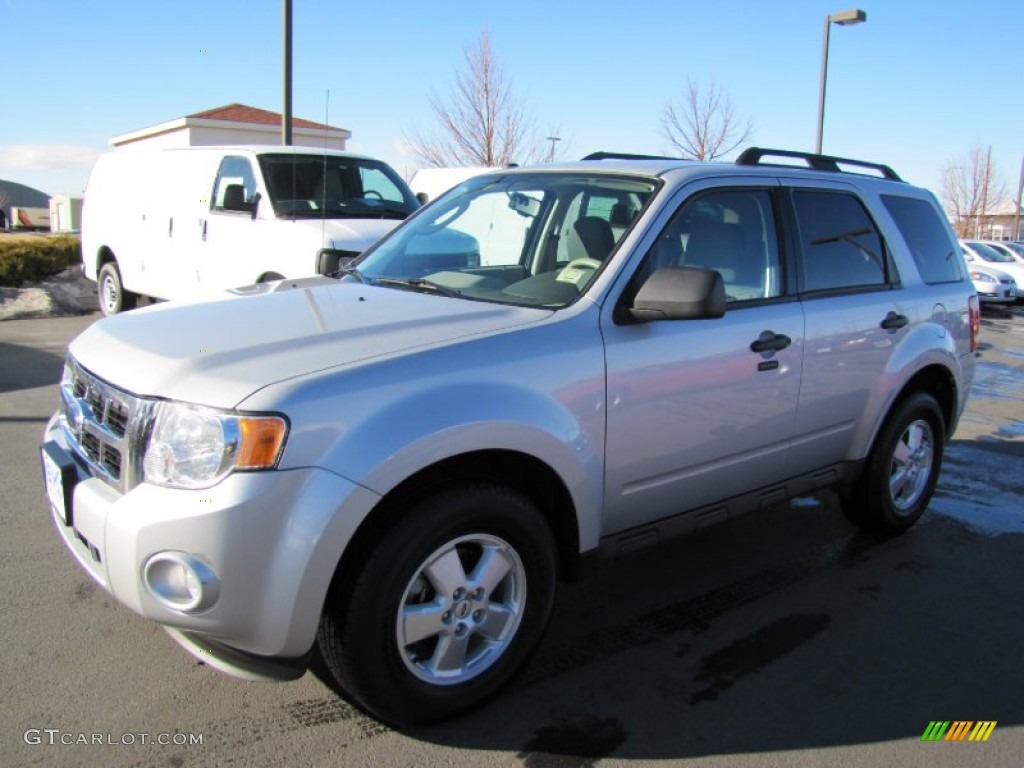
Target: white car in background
x: 978, y: 253
x: 993, y: 285
x: 1013, y: 250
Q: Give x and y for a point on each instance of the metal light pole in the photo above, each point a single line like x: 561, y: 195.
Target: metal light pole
x: 843, y: 18
x: 286, y: 113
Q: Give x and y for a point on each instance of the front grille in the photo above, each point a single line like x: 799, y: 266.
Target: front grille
x: 104, y: 425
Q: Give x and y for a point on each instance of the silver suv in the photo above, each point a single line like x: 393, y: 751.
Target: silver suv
x: 542, y: 366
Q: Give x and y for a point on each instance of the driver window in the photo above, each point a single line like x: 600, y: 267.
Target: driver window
x: 235, y: 186
x: 730, y: 231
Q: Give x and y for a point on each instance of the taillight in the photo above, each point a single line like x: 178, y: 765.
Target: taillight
x: 974, y: 312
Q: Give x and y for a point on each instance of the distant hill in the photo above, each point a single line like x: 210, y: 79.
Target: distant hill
x: 12, y: 193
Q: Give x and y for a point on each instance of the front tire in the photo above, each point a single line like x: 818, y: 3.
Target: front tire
x: 447, y: 607
x: 902, y: 469
x: 113, y: 297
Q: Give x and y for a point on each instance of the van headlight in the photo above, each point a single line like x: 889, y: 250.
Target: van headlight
x: 193, y: 447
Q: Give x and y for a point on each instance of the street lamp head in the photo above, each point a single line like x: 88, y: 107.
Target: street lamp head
x: 846, y: 18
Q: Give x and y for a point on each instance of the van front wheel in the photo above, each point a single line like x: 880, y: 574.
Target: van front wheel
x: 113, y: 297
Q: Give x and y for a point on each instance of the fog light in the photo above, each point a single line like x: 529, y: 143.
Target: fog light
x: 181, y: 582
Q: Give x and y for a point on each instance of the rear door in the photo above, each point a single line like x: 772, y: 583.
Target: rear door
x: 856, y: 315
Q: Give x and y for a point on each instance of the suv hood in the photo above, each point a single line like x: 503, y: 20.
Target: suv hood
x: 218, y: 352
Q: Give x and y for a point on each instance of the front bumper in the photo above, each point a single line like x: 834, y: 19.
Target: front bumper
x: 271, y: 539
x: 997, y: 295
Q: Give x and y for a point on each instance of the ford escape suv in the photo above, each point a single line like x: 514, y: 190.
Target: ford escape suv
x: 397, y: 464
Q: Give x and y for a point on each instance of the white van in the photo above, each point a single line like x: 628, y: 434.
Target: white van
x: 429, y: 183
x: 178, y: 223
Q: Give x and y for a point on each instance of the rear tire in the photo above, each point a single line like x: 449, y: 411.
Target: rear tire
x: 902, y: 469
x: 112, y: 295
x: 448, y: 605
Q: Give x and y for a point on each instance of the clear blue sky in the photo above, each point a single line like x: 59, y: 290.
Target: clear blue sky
x: 912, y: 90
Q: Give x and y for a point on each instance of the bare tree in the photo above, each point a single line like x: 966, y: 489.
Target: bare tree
x: 481, y: 122
x: 703, y: 125
x: 971, y: 188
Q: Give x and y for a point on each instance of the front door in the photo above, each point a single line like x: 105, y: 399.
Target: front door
x: 695, y: 415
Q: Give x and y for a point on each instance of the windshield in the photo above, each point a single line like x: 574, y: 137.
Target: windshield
x: 532, y: 239
x: 332, y: 186
x: 988, y: 253
x: 1010, y: 249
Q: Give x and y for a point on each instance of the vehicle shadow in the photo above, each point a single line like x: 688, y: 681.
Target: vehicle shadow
x: 26, y: 367
x: 783, y: 630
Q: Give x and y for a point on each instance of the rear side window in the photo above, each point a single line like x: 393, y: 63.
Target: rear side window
x: 926, y: 237
x: 840, y: 247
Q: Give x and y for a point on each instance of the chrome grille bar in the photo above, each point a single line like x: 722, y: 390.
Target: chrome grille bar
x: 104, y: 425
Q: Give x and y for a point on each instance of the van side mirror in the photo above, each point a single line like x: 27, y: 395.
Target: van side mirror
x: 422, y: 197
x: 234, y: 199
x: 679, y: 293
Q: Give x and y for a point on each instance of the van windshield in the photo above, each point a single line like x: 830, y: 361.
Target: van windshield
x: 332, y: 186
x: 526, y: 238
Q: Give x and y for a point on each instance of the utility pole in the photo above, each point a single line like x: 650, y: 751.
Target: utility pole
x: 286, y: 113
x: 980, y: 231
x: 1020, y: 199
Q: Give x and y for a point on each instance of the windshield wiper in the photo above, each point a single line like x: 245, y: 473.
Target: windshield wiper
x: 418, y: 284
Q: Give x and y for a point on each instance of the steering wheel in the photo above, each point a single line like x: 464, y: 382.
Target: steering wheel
x: 374, y: 192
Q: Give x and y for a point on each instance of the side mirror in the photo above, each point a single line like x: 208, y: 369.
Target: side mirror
x: 679, y: 293
x: 422, y: 197
x: 234, y: 200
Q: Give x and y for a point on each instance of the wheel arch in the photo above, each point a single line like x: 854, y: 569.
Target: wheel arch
x: 937, y: 381
x: 521, y: 472
x: 104, y: 255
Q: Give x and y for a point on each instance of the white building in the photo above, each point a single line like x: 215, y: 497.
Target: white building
x: 231, y: 124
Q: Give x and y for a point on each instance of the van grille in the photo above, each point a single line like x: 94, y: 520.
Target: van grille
x: 104, y: 426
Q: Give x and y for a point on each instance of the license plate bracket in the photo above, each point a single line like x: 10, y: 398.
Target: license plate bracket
x: 60, y: 476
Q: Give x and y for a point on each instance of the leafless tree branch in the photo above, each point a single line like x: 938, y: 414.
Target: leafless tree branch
x: 703, y: 125
x: 481, y: 121
x: 971, y: 188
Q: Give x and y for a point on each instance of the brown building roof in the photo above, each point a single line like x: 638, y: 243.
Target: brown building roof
x: 240, y: 113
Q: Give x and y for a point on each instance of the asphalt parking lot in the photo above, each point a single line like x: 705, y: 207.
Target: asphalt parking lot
x: 781, y: 638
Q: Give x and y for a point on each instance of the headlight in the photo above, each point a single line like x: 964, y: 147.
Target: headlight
x: 981, y: 277
x: 192, y: 447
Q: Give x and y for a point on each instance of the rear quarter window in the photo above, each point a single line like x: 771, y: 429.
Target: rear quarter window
x: 840, y: 246
x: 926, y: 237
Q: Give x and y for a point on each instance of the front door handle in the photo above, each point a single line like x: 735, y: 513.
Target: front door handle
x: 769, y: 341
x: 894, y: 320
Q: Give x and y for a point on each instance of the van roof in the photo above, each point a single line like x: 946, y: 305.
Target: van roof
x: 264, y: 149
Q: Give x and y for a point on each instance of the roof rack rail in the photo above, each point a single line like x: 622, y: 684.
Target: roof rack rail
x: 625, y: 156
x: 753, y: 155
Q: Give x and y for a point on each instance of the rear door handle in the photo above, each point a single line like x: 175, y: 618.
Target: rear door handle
x: 769, y: 341
x: 894, y: 320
